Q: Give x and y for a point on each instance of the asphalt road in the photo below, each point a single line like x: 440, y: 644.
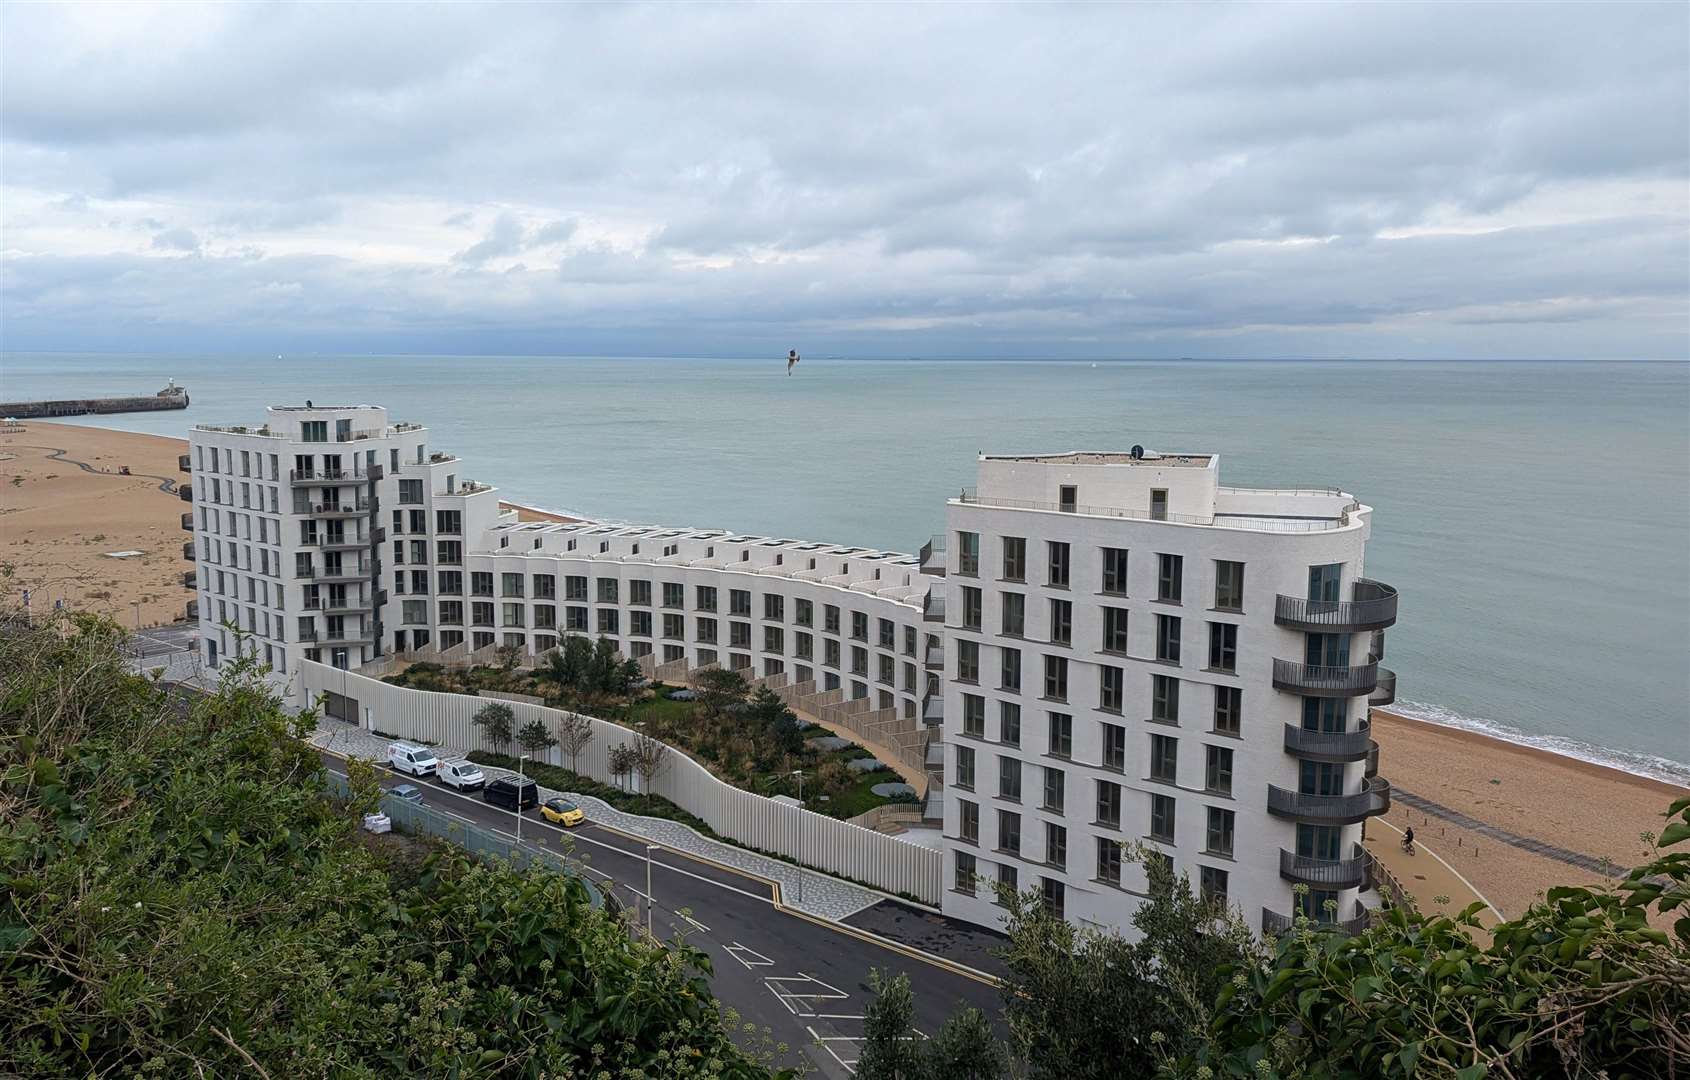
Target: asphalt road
x: 806, y: 981
x: 161, y: 640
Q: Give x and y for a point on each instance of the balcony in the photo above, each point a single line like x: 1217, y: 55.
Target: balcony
x: 935, y: 657
x: 184, y: 463
x: 1331, y: 746
x: 185, y: 492
x: 933, y: 557
x: 1274, y: 924
x: 1386, y: 691
x: 188, y: 522
x: 933, y: 608
x: 326, y: 477
x: 190, y: 579
x: 1318, y: 680
x: 1372, y: 760
x: 341, y: 510
x: 1323, y: 873
x: 339, y: 543
x: 1373, y: 607
x: 1377, y: 649
x: 308, y: 636
x: 309, y: 572
x: 188, y: 550
x: 358, y: 572
x: 1372, y: 800
x: 192, y: 611
x: 933, y: 710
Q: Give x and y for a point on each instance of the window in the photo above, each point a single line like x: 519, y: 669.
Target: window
x: 773, y: 639
x: 1211, y: 885
x: 1056, y: 678
x: 706, y: 629
x: 804, y: 612
x: 575, y: 619
x: 964, y: 775
x: 968, y: 661
x: 1055, y: 792
x: 966, y: 872
x: 1008, y: 881
x: 1009, y: 723
x: 1061, y: 622
x: 1158, y: 504
x: 1229, y: 708
x: 1111, y: 688
x: 830, y: 619
x: 1009, y: 778
x: 830, y: 654
x: 774, y: 607
x: 1217, y: 839
x: 1014, y: 614
x: 1061, y: 735
x: 1053, y: 892
x: 1056, y: 845
x: 1162, y: 818
x: 1170, y: 578
x: 859, y: 626
x: 1164, y: 758
x: 1164, y: 699
x: 1068, y: 498
x: 1015, y: 558
x: 512, y: 615
x: 739, y: 635
x: 575, y: 587
x: 803, y: 646
x: 968, y: 553
x: 909, y: 640
x: 450, y: 522
x: 481, y: 614
x: 608, y: 621
x: 415, y: 611
x: 312, y: 431
x: 1108, y: 861
x: 1167, y: 638
x: 510, y: 584
x: 480, y: 584
x: 1109, y: 803
x: 607, y: 590
x: 739, y: 602
x: 974, y: 715
x: 1217, y: 769
x: 1223, y: 647
x: 674, y: 625
x: 970, y: 608
x: 1115, y: 630
x: 1114, y: 747
x: 1058, y: 564
x: 639, y: 592
x: 968, y: 821
x: 888, y: 634
x: 1009, y: 831
x: 410, y: 492
x: 674, y: 594
x: 545, y: 586
x: 706, y: 597
x: 1010, y: 674
x: 1325, y: 582
x: 1115, y: 571
x: 1229, y: 585
x: 888, y: 670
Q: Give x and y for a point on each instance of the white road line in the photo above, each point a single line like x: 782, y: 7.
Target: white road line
x: 740, y: 952
x: 696, y: 925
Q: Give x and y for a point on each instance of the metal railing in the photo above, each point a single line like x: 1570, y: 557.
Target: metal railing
x: 327, y: 476
x: 932, y: 556
x: 1386, y: 690
x: 1373, y: 606
x: 188, y: 550
x: 1245, y: 522
x: 188, y: 522
x: 1274, y: 924
x: 185, y: 492
x: 1323, y: 873
x: 1372, y: 800
x: 361, y: 506
x: 1372, y: 760
x: 1320, y: 680
x: 933, y: 607
x: 190, y: 579
x: 1328, y: 745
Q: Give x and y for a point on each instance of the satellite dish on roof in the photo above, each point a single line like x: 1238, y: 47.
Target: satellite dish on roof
x: 1138, y: 452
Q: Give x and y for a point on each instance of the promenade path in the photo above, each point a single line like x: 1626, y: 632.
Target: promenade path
x: 1425, y: 875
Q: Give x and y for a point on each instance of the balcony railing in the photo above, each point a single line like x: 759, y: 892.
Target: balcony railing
x: 190, y: 579
x: 305, y: 571
x: 188, y: 550
x: 933, y: 556
x: 184, y: 463
x: 1328, y: 745
x: 1377, y: 649
x: 327, y: 476
x: 1323, y: 873
x: 1386, y: 690
x: 185, y: 492
x: 192, y: 611
x: 1274, y: 924
x: 352, y: 509
x: 1372, y: 800
x: 933, y: 710
x: 933, y: 608
x: 188, y: 522
x: 1319, y: 680
x: 935, y: 656
x: 1372, y: 760
x: 1373, y: 607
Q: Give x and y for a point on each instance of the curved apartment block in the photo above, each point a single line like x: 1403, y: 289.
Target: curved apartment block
x: 1105, y: 648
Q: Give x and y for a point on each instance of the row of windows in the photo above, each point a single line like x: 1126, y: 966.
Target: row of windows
x: 1226, y: 717
x: 1163, y: 768
x: 1112, y: 572
x: 1212, y: 881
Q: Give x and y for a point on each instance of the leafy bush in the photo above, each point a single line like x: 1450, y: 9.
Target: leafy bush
x: 561, y: 779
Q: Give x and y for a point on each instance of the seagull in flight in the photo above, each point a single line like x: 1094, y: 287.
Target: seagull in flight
x: 791, y: 359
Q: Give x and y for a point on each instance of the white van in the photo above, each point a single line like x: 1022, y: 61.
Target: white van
x: 461, y: 774
x: 410, y: 758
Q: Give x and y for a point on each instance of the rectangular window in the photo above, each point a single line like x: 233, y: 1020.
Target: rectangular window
x: 1211, y: 885
x: 968, y: 821
x: 576, y: 619
x: 706, y: 627
x: 1014, y: 614
x: 974, y: 715
x: 804, y: 612
x: 964, y: 776
x: 1115, y: 571
x: 674, y: 625
x: 773, y: 639
x: 1223, y: 647
x: 1068, y: 498
x: 803, y: 646
x: 1170, y: 578
x: 545, y: 586
x: 888, y: 670
x: 774, y: 607
x: 1114, y: 747
x: 480, y: 583
x: 1217, y: 770
x: 1164, y: 699
x: 1325, y: 583
x: 512, y: 615
x: 1009, y: 723
x: 1162, y: 818
x: 971, y: 618
x: 739, y: 635
x: 1115, y: 630
x: 608, y: 621
x: 1229, y: 585
x: 1055, y: 792
x: 1056, y: 845
x: 1008, y: 881
x: 830, y: 653
x: 1217, y: 839
x: 1164, y: 758
x: 1009, y: 831
x: 674, y: 594
x: 968, y: 553
x: 1010, y: 674
x: 449, y: 522
x: 510, y: 584
x: 607, y: 590
x: 968, y: 661
x: 1061, y: 740
x: 888, y: 633
x: 639, y: 592
x: 410, y: 492
x: 706, y: 597
x: 1111, y: 688
x: 1058, y: 564
x: 966, y: 872
x: 1108, y: 861
x: 575, y: 587
x: 739, y: 602
x: 1109, y: 803
x: 1229, y: 709
x: 1158, y: 504
x: 1167, y: 638
x: 1056, y: 678
x: 859, y: 626
x: 830, y: 619
x: 1015, y: 558
x: 1061, y: 622
x: 1009, y: 778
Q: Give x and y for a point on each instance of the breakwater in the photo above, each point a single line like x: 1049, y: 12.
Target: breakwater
x: 171, y: 397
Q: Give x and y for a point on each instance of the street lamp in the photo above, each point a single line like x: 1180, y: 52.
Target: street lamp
x: 649, y: 848
x: 521, y: 782
x: 799, y: 773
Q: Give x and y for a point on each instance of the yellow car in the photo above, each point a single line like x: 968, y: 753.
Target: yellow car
x: 562, y: 812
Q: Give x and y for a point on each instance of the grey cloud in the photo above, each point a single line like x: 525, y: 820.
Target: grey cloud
x: 504, y: 238
x: 177, y: 239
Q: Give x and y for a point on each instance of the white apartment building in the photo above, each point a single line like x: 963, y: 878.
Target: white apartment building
x: 1108, y: 648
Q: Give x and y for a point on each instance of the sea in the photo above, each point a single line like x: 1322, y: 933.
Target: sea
x: 1535, y: 516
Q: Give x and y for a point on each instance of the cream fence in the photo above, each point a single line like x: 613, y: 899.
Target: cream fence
x: 827, y: 844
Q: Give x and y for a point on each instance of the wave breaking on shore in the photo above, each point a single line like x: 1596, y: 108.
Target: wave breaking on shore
x: 1651, y: 766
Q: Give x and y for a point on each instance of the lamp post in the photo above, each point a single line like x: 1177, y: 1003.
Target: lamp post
x: 649, y: 848
x: 799, y: 773
x: 521, y: 782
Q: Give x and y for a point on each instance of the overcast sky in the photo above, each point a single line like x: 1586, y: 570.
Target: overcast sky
x: 1454, y: 180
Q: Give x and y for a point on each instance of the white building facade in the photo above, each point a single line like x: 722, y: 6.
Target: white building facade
x: 1108, y: 649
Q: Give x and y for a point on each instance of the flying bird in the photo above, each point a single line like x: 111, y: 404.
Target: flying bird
x: 791, y: 358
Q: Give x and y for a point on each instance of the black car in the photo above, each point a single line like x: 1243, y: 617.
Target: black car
x: 503, y: 793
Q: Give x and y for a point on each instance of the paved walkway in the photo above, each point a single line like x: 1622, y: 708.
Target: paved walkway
x: 1525, y: 843
x: 1425, y: 875
x: 165, y: 484
x: 809, y: 891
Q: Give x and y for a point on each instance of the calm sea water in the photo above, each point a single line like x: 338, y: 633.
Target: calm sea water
x: 1536, y: 517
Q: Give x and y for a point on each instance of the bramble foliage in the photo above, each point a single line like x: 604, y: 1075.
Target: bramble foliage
x: 1580, y: 985
x: 179, y: 898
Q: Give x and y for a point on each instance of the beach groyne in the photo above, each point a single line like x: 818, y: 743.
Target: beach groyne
x: 171, y: 397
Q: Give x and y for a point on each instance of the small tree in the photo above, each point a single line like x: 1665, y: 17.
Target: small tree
x: 651, y: 758
x: 497, y: 723
x: 768, y: 712
x: 509, y: 656
x: 534, y: 737
x: 567, y: 665
x: 964, y: 1049
x: 574, y: 732
x: 621, y: 761
x: 719, y: 688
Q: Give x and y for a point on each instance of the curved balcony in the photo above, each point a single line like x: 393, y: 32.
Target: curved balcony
x: 1274, y: 924
x: 1331, y: 746
x: 1373, y: 606
x: 188, y: 550
x: 187, y: 522
x: 190, y: 579
x: 1386, y: 690
x: 1323, y: 873
x: 1372, y: 800
x: 185, y: 492
x: 184, y: 463
x: 1372, y: 761
x: 1320, y: 680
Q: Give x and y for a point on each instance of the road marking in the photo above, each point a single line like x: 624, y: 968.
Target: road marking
x: 742, y: 952
x: 777, y: 985
x: 696, y: 925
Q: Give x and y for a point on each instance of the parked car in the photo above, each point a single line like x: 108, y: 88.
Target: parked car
x: 562, y: 812
x: 411, y: 758
x: 509, y: 793
x: 408, y: 792
x: 461, y: 774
